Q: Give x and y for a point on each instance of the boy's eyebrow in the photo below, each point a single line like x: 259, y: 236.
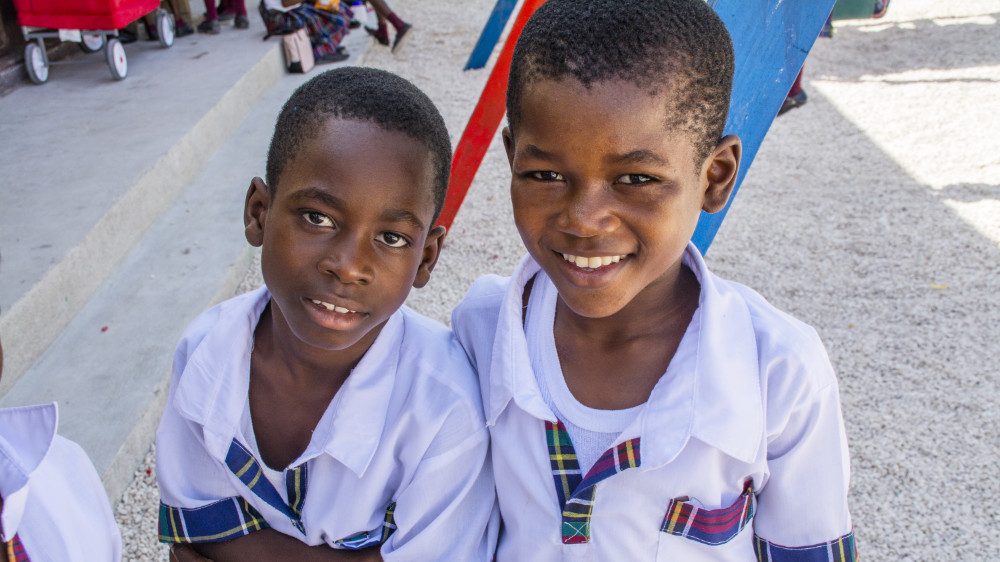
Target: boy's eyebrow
x: 389, y: 215
x: 641, y: 156
x: 535, y: 152
x: 316, y: 193
x: 402, y: 215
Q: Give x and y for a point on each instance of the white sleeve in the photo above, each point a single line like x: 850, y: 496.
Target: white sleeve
x: 804, y: 500
x: 198, y: 501
x: 448, y: 510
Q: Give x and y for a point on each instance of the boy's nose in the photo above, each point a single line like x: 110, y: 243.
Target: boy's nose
x: 347, y: 258
x: 586, y: 211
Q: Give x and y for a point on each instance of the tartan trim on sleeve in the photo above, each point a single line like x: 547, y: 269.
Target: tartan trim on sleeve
x: 841, y: 549
x: 374, y: 537
x: 220, y: 521
x: 710, y: 526
x: 248, y: 470
x: 14, y: 550
x: 576, y: 494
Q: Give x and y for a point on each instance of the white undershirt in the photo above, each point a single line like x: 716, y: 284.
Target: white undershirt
x: 275, y: 477
x: 591, y: 430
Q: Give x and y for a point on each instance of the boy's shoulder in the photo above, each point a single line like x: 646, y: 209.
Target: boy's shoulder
x: 430, y: 354
x: 226, y: 312
x: 790, y: 353
x: 482, y: 302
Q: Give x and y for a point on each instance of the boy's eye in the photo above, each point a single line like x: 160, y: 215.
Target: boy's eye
x: 546, y: 176
x: 317, y: 219
x: 392, y: 239
x: 634, y: 179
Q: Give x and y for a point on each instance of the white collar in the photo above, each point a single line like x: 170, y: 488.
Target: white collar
x: 718, y: 401
x: 26, y: 435
x: 212, y: 390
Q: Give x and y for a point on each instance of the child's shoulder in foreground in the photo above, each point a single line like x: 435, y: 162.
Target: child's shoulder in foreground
x: 54, y: 505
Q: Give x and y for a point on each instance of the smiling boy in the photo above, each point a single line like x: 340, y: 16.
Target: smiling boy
x: 640, y: 407
x: 319, y: 416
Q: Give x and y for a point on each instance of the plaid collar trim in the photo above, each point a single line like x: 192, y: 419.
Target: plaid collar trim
x: 713, y: 396
x: 248, y: 469
x: 576, y: 492
x: 14, y: 550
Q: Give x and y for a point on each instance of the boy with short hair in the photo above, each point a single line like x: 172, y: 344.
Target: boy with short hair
x: 640, y: 407
x: 318, y: 415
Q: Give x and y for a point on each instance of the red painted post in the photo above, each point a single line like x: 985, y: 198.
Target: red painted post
x: 484, y: 121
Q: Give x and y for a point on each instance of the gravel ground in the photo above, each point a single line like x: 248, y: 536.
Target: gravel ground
x: 873, y: 213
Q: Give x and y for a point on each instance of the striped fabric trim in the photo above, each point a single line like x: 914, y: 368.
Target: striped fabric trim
x: 220, y: 521
x: 842, y: 549
x: 248, y: 470
x: 375, y: 536
x: 562, y: 457
x: 576, y: 493
x: 295, y: 485
x: 710, y: 526
x: 15, y: 550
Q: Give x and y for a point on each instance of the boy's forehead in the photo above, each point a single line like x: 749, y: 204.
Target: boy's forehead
x: 360, y: 149
x: 653, y: 100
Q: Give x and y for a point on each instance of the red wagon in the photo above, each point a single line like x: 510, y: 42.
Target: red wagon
x: 93, y: 24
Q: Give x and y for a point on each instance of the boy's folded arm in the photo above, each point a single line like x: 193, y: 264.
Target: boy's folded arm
x: 804, y: 500
x: 269, y: 544
x: 447, y: 511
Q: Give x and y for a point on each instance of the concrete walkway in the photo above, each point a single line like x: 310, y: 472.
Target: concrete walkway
x: 119, y: 222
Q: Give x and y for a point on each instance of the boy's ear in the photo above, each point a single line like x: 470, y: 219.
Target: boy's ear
x: 720, y: 170
x: 508, y: 145
x: 255, y: 211
x: 432, y: 249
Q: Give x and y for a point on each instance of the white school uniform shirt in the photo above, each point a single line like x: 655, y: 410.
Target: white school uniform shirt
x: 740, y: 451
x: 398, y: 458
x: 53, y: 500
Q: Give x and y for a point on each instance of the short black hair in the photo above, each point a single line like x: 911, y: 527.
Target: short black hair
x: 678, y: 44
x: 364, y: 94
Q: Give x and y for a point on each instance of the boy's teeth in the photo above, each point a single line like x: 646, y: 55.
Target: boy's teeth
x: 591, y: 263
x: 332, y: 307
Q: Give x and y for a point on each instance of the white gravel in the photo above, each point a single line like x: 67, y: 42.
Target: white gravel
x: 873, y: 213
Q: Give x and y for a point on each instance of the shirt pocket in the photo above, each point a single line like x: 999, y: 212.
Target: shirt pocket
x: 693, y: 530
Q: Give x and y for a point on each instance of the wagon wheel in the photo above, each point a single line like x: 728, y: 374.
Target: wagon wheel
x: 36, y: 63
x: 165, y: 28
x: 115, y: 54
x: 91, y: 42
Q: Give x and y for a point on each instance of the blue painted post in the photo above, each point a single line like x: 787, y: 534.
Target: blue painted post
x: 490, y: 34
x: 771, y: 40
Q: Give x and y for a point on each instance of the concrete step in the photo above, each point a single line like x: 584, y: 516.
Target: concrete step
x: 123, y: 221
x: 89, y: 163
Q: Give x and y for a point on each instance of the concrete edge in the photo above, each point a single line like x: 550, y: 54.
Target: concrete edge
x: 36, y: 319
x: 121, y: 471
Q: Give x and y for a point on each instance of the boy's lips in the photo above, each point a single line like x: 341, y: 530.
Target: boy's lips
x: 334, y: 316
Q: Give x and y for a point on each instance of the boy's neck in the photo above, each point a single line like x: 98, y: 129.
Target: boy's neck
x: 291, y: 387
x: 309, y: 366
x: 614, y: 362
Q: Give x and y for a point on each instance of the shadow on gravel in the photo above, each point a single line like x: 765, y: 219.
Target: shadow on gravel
x: 903, y: 291
x: 896, y: 47
x: 969, y: 192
